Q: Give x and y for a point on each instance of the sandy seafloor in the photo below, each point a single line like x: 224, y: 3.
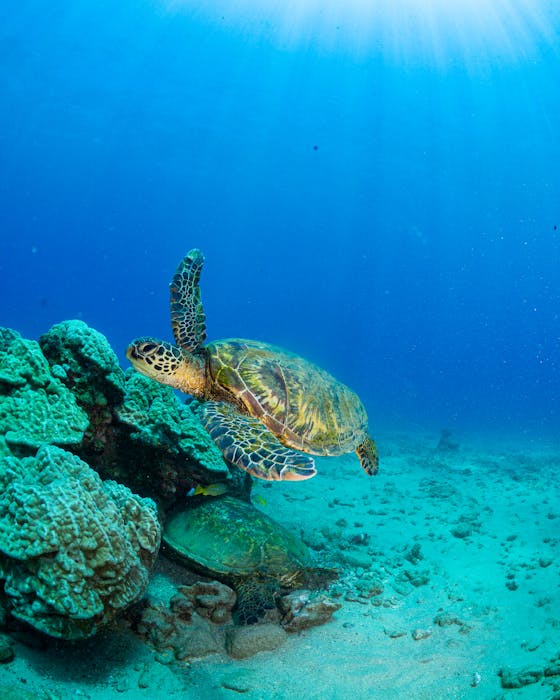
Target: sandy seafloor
x: 487, y: 519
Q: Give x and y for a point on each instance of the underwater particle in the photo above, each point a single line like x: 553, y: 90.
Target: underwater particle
x: 476, y: 678
x: 315, y: 148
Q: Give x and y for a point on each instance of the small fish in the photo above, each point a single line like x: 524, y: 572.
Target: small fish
x: 259, y: 500
x: 216, y: 489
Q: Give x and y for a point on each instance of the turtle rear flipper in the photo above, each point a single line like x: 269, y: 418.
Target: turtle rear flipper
x: 368, y: 456
x: 245, y: 441
x: 187, y: 315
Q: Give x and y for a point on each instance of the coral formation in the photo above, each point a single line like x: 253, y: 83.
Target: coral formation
x: 197, y: 621
x: 69, y: 390
x: 74, y: 551
x: 35, y: 406
x: 447, y: 443
x: 177, y: 632
x: 304, y: 609
x: 210, y: 599
x: 86, y: 362
x: 164, y: 441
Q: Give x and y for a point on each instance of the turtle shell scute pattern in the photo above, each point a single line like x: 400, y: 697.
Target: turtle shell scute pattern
x: 302, y: 404
x: 227, y: 538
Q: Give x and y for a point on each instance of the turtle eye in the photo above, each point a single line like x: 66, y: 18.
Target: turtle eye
x: 147, y: 348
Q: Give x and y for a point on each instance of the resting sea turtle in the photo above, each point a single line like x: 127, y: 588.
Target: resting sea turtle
x: 260, y: 403
x: 230, y: 540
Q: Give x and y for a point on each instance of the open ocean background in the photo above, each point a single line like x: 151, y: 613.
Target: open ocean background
x: 378, y: 189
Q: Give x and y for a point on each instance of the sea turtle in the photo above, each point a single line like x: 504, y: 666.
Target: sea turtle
x: 262, y: 405
x: 232, y: 541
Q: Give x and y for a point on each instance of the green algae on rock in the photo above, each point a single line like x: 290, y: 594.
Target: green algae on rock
x: 69, y: 390
x: 35, y: 406
x: 90, y: 366
x: 157, y: 419
x: 74, y: 551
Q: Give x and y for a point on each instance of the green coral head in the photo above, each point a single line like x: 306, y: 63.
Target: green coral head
x: 155, y: 359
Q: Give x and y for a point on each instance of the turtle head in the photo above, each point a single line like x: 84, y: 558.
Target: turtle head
x: 168, y: 364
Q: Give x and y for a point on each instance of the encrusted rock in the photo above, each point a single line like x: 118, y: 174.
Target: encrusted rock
x: 210, y: 599
x: 74, y: 551
x: 394, y: 633
x: 304, y: 609
x: 447, y: 442
x: 157, y: 418
x: 420, y: 633
x: 552, y: 669
x: 414, y: 554
x: 6, y: 649
x: 70, y: 390
x: 35, y: 406
x: 185, y: 636
x: 462, y: 531
x: 517, y: 679
x: 243, y: 642
x: 90, y: 368
x: 447, y: 619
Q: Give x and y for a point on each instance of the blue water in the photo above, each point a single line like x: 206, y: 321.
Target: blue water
x: 379, y: 193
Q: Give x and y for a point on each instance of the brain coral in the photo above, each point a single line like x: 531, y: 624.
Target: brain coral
x: 35, y: 407
x: 157, y: 419
x: 89, y: 364
x: 74, y: 550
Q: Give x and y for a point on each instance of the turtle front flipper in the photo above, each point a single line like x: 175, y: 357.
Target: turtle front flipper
x: 245, y: 441
x: 368, y: 456
x: 187, y: 315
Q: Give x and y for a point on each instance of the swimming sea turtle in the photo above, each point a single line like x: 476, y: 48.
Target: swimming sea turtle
x: 260, y: 403
x: 232, y: 541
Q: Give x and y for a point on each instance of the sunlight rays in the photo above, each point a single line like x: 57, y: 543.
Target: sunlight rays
x: 404, y: 31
